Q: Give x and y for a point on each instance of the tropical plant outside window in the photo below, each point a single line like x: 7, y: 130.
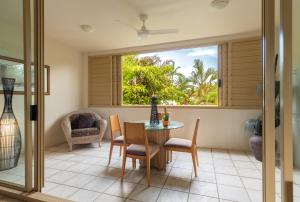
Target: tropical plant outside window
x: 177, y: 77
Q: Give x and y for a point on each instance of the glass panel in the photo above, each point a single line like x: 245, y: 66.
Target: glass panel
x: 277, y: 102
x: 296, y: 97
x: 12, y: 167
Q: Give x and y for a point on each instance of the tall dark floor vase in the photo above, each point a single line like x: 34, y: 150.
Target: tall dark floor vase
x: 10, y: 135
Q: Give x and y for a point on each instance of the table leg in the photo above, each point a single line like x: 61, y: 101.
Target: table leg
x: 158, y: 137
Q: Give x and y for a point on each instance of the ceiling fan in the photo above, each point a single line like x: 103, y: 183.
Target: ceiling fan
x: 144, y: 31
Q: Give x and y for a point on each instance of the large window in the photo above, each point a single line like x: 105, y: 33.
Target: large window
x: 176, y: 77
x: 228, y: 74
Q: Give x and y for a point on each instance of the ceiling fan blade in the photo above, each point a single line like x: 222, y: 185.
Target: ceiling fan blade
x: 163, y: 31
x: 127, y: 25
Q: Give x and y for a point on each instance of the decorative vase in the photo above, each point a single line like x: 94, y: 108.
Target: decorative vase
x: 255, y: 143
x: 10, y: 135
x: 154, y: 114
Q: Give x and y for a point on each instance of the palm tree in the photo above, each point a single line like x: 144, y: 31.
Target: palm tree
x: 204, y: 82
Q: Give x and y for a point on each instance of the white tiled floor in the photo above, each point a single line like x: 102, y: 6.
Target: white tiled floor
x: 83, y: 175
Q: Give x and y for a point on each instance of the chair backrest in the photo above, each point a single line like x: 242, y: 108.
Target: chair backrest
x: 115, y: 126
x: 134, y: 133
x: 196, y: 131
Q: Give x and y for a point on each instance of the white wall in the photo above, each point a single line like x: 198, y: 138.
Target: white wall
x: 66, y: 83
x: 219, y: 128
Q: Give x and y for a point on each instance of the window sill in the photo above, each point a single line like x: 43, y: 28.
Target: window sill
x: 177, y: 107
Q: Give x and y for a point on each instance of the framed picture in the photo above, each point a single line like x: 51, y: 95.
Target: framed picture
x: 14, y: 68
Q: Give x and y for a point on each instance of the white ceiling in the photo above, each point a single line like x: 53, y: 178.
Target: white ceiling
x: 194, y: 18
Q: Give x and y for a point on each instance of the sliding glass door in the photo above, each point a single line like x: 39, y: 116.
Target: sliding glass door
x: 19, y: 94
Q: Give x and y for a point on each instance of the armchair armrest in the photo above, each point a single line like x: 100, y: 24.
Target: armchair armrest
x: 66, y: 127
x: 102, y: 125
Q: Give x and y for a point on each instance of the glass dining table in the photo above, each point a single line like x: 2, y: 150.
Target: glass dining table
x: 159, y: 135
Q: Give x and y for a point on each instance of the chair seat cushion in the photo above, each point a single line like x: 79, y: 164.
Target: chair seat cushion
x: 179, y: 142
x: 140, y: 150
x: 85, y: 132
x: 119, y: 139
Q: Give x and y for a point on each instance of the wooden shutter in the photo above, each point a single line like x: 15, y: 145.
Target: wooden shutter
x: 240, y: 70
x: 245, y: 73
x: 100, y: 80
x: 223, y: 74
x: 104, y: 80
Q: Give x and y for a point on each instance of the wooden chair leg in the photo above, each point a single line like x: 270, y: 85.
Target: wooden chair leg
x: 159, y: 160
x: 120, y: 150
x: 110, y: 152
x: 167, y: 156
x: 148, y: 171
x: 197, y: 160
x: 123, y: 164
x: 134, y: 163
x: 194, y: 162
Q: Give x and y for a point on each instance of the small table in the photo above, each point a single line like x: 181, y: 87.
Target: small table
x: 159, y: 135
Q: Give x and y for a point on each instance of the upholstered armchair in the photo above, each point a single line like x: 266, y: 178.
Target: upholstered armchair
x: 82, y: 127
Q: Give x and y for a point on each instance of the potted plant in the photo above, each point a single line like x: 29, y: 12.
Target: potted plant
x: 253, y: 128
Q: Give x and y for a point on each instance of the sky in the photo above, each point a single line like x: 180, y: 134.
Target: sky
x: 185, y: 57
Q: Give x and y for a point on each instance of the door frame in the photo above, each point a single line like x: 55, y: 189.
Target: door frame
x: 268, y: 51
x: 286, y: 69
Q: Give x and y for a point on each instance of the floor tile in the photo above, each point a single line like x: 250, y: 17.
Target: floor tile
x: 61, y: 177
x: 177, y: 184
x: 199, y: 198
x: 181, y: 173
x: 244, y: 164
x: 134, y: 176
x: 251, y: 183
x: 239, y: 156
x: 223, y: 162
x: 244, y: 172
x: 50, y: 172
x: 79, y: 180
x: 108, y: 198
x: 187, y: 164
x: 86, y: 167
x: 206, y: 168
x: 233, y: 193
x: 63, y: 191
x: 48, y: 186
x: 231, y: 170
x: 99, y: 184
x: 255, y: 196
x: 205, y: 177
x: 84, y: 196
x: 156, y: 180
x: 167, y: 195
x: 145, y: 193
x: 110, y: 172
x: 204, y: 188
x: 229, y: 180
x: 122, y: 189
x: 78, y: 167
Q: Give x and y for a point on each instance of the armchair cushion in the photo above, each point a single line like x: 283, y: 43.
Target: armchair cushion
x: 85, y: 132
x: 84, y: 120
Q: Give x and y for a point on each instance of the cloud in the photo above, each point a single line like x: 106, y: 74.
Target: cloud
x: 210, y: 51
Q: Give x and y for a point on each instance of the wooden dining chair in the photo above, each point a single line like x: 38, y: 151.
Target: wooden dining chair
x: 184, y: 145
x: 116, y: 137
x: 138, y: 147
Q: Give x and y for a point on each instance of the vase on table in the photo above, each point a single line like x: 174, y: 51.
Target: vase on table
x: 10, y: 135
x: 154, y: 120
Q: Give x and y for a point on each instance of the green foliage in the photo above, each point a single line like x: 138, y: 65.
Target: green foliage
x: 148, y: 76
